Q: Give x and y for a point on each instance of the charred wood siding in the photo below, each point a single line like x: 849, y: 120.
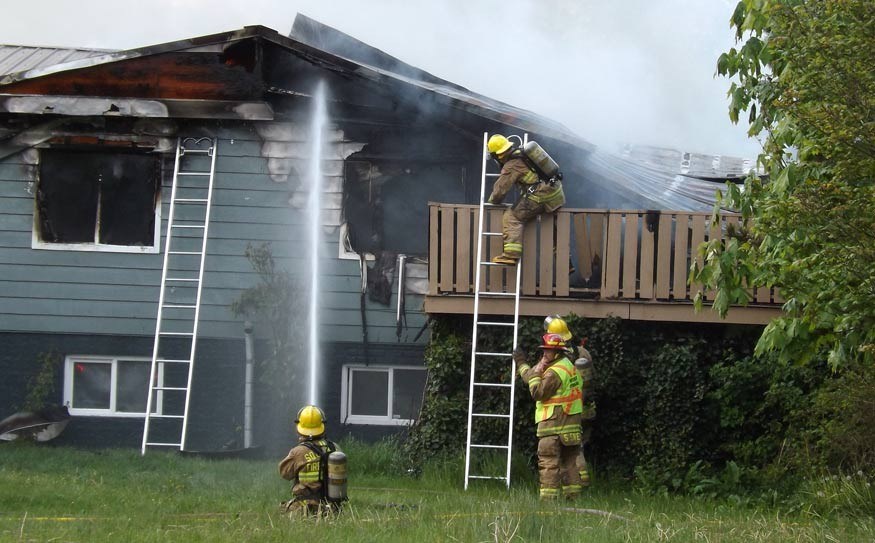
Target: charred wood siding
x: 201, y: 76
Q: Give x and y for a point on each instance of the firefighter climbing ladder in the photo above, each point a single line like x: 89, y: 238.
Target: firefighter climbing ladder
x: 182, y: 272
x: 483, y: 359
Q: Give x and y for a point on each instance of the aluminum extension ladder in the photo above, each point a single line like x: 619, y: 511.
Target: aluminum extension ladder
x: 167, y: 406
x: 488, y: 359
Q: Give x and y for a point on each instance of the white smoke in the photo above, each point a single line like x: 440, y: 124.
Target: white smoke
x: 638, y: 71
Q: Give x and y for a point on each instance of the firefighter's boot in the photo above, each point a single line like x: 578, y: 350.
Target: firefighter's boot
x: 504, y: 258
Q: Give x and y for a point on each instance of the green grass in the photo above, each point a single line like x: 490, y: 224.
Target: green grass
x: 58, y: 494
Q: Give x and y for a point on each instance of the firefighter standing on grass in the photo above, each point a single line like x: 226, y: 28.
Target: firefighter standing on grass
x: 537, y: 195
x: 306, y: 466
x: 555, y: 386
x: 554, y: 324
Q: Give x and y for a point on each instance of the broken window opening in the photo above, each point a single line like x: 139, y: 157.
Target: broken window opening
x: 385, y: 202
x: 98, y: 197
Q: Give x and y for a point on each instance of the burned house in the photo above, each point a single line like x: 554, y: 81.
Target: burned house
x: 87, y: 145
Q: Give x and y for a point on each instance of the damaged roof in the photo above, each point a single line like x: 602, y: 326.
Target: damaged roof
x: 21, y: 58
x: 312, y: 41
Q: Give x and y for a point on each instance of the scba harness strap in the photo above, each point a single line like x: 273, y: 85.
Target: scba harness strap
x: 323, y: 464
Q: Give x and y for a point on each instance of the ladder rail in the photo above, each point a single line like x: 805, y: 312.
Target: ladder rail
x: 200, y: 282
x: 154, y: 365
x: 476, y: 311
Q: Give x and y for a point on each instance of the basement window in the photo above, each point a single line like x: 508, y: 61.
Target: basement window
x: 386, y: 396
x: 107, y: 386
x: 98, y: 200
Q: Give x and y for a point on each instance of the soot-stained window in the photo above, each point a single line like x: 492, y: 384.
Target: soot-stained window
x: 97, y: 198
x: 385, y: 202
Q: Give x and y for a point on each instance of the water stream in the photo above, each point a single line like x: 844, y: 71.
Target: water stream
x: 314, y: 220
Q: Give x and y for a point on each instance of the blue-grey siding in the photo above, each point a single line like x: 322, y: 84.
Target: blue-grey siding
x: 116, y: 293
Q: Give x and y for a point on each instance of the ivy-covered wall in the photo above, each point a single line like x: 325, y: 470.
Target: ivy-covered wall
x: 668, y: 396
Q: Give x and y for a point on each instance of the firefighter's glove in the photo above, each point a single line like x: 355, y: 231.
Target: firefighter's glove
x: 519, y: 356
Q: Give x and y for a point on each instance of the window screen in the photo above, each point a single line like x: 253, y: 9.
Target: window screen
x: 407, y: 386
x: 132, y: 385
x: 370, y: 393
x: 92, y: 385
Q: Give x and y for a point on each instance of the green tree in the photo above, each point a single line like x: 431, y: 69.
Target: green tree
x: 803, y: 72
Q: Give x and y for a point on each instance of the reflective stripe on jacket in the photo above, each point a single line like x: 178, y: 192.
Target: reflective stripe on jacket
x: 569, y: 396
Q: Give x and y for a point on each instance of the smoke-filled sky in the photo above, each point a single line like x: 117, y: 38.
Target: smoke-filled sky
x: 639, y: 71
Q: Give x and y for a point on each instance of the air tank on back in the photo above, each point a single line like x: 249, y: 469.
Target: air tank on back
x: 541, y: 159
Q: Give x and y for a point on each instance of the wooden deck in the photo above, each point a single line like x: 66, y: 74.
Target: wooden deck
x: 631, y: 264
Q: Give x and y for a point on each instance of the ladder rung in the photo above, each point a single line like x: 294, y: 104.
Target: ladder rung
x: 182, y: 279
x: 496, y: 264
x: 498, y: 294
x: 173, y: 361
x: 191, y: 200
x: 188, y: 226
x: 176, y: 306
x: 498, y: 385
x: 492, y: 234
x: 186, y: 151
x: 184, y: 252
x: 164, y: 444
x: 176, y: 333
x: 479, y: 353
x: 192, y: 173
x: 169, y: 388
x: 490, y: 415
x: 485, y: 204
x: 166, y: 416
x: 493, y: 175
x: 483, y: 476
x: 487, y: 323
x: 490, y: 447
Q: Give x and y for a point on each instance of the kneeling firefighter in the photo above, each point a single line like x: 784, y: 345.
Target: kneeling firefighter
x: 316, y: 467
x: 539, y: 180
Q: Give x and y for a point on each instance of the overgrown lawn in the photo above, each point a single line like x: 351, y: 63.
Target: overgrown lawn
x: 60, y: 494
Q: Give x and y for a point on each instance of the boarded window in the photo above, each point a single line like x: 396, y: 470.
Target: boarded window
x: 104, y: 197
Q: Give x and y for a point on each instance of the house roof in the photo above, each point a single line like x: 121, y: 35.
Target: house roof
x: 317, y: 43
x: 21, y: 58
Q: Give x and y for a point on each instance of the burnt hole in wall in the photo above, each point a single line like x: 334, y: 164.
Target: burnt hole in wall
x: 100, y: 196
x: 388, y: 185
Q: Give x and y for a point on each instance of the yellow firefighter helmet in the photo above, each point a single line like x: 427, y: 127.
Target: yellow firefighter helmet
x: 310, y: 421
x: 498, y: 144
x: 554, y: 324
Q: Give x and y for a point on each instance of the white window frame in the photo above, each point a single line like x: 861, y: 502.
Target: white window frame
x: 344, y: 251
x: 346, y: 392
x: 37, y: 243
x: 69, y: 373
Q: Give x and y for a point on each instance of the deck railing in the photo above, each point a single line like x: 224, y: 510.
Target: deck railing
x: 586, y: 253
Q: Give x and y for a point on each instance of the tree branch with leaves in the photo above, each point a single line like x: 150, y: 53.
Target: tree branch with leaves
x: 803, y: 73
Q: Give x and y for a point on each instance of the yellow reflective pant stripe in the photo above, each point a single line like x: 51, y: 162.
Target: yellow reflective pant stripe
x: 571, y: 490
x: 549, y: 492
x: 513, y: 248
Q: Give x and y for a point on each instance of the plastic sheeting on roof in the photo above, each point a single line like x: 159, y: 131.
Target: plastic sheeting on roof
x: 661, y: 190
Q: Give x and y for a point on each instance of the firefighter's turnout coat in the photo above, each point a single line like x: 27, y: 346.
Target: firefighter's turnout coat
x: 302, y: 467
x: 538, y: 197
x: 558, y: 406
